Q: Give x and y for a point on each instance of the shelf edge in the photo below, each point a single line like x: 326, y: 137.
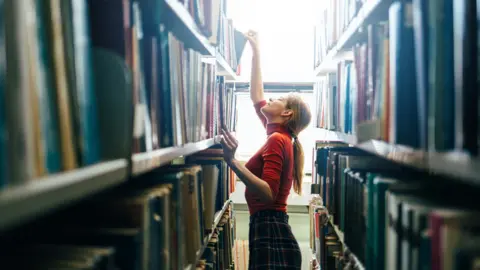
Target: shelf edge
x: 22, y: 203
x: 144, y: 162
x: 216, y: 220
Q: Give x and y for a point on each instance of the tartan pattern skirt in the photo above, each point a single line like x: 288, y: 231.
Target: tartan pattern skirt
x: 272, y: 244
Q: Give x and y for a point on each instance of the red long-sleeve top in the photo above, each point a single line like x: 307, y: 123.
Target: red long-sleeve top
x: 273, y: 163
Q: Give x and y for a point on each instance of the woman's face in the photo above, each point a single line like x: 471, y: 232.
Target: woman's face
x: 275, y: 108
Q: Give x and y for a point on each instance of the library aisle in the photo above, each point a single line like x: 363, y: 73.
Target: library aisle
x: 111, y: 116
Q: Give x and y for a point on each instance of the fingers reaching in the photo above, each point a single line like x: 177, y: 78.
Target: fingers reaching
x: 225, y: 143
x: 230, y: 138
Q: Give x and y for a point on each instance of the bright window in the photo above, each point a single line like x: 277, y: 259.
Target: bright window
x: 285, y: 30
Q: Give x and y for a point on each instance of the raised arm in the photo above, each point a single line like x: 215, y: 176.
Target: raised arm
x: 256, y: 82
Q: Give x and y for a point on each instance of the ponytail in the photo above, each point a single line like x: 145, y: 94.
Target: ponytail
x: 298, y: 121
x: 298, y: 162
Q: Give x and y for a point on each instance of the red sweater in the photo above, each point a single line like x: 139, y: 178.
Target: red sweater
x: 273, y: 163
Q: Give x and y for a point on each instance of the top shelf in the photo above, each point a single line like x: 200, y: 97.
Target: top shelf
x: 460, y: 166
x: 185, y: 28
x: 370, y: 11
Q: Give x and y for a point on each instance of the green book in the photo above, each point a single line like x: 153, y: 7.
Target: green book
x: 380, y: 186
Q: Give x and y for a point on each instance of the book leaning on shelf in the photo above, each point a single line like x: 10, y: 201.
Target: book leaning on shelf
x: 159, y: 220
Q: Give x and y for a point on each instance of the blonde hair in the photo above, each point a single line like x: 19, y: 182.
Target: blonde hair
x: 299, y: 120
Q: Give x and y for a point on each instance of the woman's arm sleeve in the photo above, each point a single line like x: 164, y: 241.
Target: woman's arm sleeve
x: 273, y: 156
x: 258, y: 106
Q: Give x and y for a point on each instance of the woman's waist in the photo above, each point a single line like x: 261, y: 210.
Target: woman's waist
x: 269, y: 214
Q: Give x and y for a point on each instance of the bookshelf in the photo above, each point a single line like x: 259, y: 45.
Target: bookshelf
x: 224, y: 69
x: 182, y: 22
x: 373, y: 10
x: 144, y: 162
x: 115, y: 139
x: 394, y: 92
x: 23, y: 203
x: 183, y: 25
x: 330, y: 135
x: 218, y: 216
x: 455, y: 165
x: 356, y: 263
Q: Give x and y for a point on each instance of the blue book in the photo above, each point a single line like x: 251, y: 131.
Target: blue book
x: 404, y: 117
x: 81, y: 80
x: 441, y: 93
x: 420, y: 25
x: 47, y: 98
x: 3, y: 125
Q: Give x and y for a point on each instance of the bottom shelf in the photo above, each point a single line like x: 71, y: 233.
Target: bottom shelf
x: 357, y: 264
x: 216, y: 220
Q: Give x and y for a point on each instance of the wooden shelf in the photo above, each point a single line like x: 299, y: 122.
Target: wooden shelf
x: 224, y: 69
x: 339, y: 233
x: 216, y: 220
x: 23, y: 203
x: 145, y: 162
x: 456, y: 165
x: 331, y: 135
x: 373, y: 10
x: 181, y: 23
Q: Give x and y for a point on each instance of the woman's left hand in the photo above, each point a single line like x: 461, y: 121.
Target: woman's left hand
x: 229, y: 145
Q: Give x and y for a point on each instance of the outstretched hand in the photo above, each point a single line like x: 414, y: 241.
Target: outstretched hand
x: 252, y: 37
x: 229, y: 145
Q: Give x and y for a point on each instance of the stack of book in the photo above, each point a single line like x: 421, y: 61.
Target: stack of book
x: 333, y: 17
x: 161, y: 220
x: 49, y: 97
x: 390, y: 217
x: 79, y: 89
x: 219, y: 251
x: 412, y: 79
x: 222, y: 32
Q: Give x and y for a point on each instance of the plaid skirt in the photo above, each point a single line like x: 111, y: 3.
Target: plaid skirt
x: 271, y: 242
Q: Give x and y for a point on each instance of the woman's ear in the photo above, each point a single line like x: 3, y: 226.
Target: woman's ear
x: 287, y: 113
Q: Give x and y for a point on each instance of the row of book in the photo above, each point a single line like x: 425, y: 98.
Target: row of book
x: 226, y: 38
x: 358, y: 93
x: 329, y: 249
x: 86, y: 81
x: 211, y: 18
x: 333, y: 17
x: 219, y: 251
x: 392, y: 217
x: 412, y: 81
x: 48, y: 110
x: 160, y: 220
x: 176, y: 93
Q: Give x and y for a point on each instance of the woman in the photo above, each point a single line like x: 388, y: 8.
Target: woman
x: 270, y: 173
